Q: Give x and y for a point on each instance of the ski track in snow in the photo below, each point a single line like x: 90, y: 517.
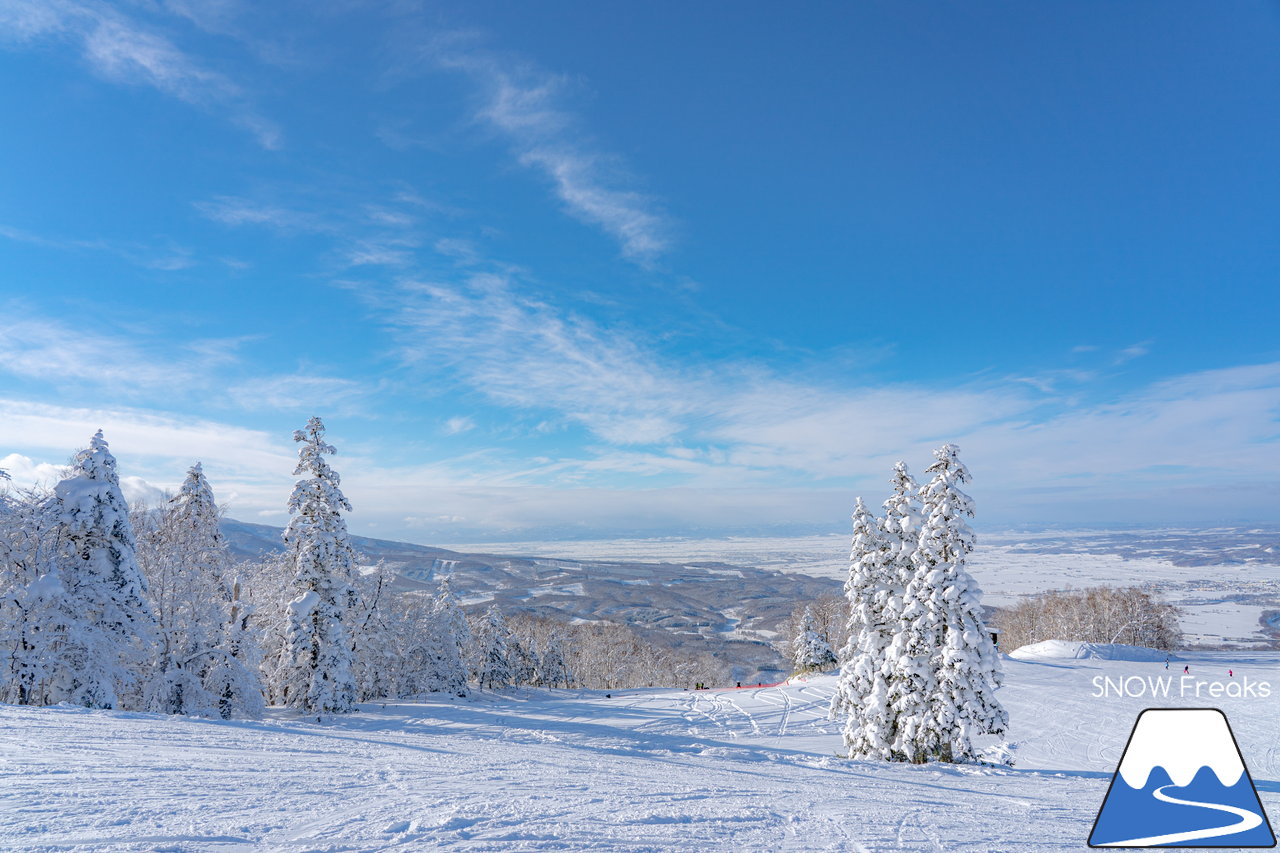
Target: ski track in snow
x: 644, y: 770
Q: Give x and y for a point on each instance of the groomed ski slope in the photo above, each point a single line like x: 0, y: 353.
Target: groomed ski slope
x: 552, y: 770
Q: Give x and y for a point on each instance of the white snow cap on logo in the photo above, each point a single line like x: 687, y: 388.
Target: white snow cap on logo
x: 1181, y: 741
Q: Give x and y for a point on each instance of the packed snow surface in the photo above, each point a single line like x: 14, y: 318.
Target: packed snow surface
x: 637, y: 770
x: 1051, y: 649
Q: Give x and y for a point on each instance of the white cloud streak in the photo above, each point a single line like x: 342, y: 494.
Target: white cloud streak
x: 94, y: 364
x: 458, y: 425
x: 122, y: 50
x: 740, y: 425
x: 524, y: 105
x: 521, y: 352
x: 297, y: 392
x: 52, y: 351
x: 1198, y: 446
x: 236, y: 211
x: 377, y: 235
x: 166, y: 258
x: 157, y: 445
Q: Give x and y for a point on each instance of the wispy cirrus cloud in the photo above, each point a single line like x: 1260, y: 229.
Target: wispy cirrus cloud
x: 525, y: 105
x: 164, y: 256
x: 237, y: 210
x: 122, y: 49
x: 527, y: 354
x: 733, y: 424
x: 142, y: 365
x: 548, y: 359
x: 458, y: 425
x: 381, y: 251
x: 62, y: 354
x: 749, y: 451
x: 1133, y: 351
x: 362, y: 234
x: 300, y: 391
x: 250, y: 469
x: 159, y: 437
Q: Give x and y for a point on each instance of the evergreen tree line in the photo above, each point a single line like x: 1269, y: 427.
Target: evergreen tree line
x: 919, y: 669
x: 106, y: 607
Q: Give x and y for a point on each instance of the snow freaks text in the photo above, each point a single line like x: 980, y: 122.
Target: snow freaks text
x: 1185, y: 686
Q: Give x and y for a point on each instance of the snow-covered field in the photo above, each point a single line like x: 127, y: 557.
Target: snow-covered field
x: 1006, y: 565
x: 751, y: 769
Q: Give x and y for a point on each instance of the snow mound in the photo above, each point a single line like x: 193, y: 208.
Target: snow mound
x: 1058, y: 649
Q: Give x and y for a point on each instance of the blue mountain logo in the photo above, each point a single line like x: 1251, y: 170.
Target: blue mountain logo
x: 1182, y: 783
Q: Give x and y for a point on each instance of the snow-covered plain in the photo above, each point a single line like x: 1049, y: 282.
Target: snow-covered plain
x: 1220, y: 602
x: 641, y: 770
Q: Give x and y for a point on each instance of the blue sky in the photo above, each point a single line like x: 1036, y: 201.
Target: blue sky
x: 574, y: 269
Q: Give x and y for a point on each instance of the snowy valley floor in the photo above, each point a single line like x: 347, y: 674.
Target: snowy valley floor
x: 538, y: 770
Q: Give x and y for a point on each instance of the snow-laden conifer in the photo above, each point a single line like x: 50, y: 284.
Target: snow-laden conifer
x: 493, y: 649
x: 901, y: 523
x: 315, y: 668
x: 99, y: 575
x: 901, y: 528
x: 810, y: 651
x: 911, y: 660
x: 862, y: 694
x: 964, y: 703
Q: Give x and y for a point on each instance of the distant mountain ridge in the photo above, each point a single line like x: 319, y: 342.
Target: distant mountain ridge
x: 249, y: 541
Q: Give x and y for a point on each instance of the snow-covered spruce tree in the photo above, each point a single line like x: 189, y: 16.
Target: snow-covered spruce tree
x: 201, y: 667
x: 968, y: 667
x: 315, y: 666
x: 910, y: 663
x: 862, y: 691
x: 101, y: 581
x: 493, y: 649
x: 901, y: 524
x: 810, y: 651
